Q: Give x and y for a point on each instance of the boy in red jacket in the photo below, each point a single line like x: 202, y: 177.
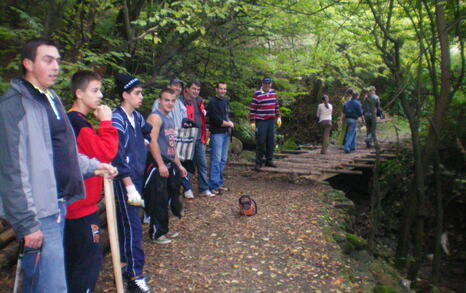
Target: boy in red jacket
x: 83, y: 248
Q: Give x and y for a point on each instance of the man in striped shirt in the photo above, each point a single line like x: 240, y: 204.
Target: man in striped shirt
x: 264, y: 112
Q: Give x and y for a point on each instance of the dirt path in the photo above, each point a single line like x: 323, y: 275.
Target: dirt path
x: 281, y: 249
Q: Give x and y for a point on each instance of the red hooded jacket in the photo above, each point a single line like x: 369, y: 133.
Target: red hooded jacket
x: 102, y: 145
x: 190, y: 114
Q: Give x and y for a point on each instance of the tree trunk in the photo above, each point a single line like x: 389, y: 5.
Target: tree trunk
x: 439, y: 224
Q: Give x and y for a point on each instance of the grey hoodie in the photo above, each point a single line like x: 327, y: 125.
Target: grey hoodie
x: 28, y: 190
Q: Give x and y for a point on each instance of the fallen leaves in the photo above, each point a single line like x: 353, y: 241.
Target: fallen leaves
x: 281, y: 249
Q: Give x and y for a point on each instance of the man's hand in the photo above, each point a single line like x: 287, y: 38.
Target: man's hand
x: 134, y: 198
x: 253, y: 126
x: 34, y: 240
x: 183, y: 171
x: 227, y: 124
x: 279, y: 122
x: 111, y: 171
x: 163, y: 171
x: 103, y: 113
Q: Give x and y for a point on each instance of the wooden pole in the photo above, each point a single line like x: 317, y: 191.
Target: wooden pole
x: 113, y: 232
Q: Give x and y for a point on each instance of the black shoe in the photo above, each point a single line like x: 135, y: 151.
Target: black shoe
x: 257, y: 167
x: 138, y: 285
x: 271, y: 164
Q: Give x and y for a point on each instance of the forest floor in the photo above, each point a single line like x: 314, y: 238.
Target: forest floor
x: 283, y: 248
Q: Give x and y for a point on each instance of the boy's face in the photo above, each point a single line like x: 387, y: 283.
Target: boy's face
x: 134, y: 97
x: 92, y: 95
x: 167, y: 102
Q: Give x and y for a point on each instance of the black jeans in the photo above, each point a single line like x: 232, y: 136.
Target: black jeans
x: 159, y: 194
x: 265, y: 140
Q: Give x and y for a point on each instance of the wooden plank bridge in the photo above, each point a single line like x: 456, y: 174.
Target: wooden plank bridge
x: 309, y: 163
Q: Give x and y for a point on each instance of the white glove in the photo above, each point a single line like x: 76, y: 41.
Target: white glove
x: 134, y: 198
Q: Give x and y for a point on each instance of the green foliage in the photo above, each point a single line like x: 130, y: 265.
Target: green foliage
x: 289, y: 144
x: 354, y: 242
x: 384, y: 289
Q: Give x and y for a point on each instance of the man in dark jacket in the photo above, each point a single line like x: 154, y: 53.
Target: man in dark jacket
x: 41, y: 171
x: 220, y: 126
x: 371, y: 109
x: 352, y: 110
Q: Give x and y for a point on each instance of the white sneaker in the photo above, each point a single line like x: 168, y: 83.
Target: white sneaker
x: 189, y: 194
x: 173, y: 234
x: 162, y: 240
x: 206, y: 193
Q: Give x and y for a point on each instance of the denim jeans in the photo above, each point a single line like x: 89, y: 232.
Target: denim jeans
x: 350, y: 138
x: 186, y: 182
x: 219, y: 143
x: 201, y: 165
x: 45, y: 271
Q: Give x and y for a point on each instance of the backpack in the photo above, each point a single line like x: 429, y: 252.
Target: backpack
x: 247, y: 206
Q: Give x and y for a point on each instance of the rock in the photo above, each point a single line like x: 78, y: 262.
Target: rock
x: 362, y: 256
x: 236, y: 146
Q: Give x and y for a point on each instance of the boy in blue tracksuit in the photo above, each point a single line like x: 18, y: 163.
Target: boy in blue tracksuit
x: 133, y: 132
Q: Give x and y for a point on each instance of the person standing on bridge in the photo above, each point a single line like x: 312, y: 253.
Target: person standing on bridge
x: 264, y: 113
x: 324, y: 114
x: 352, y: 110
x: 371, y: 109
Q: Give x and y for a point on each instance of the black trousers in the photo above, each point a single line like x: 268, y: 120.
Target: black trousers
x: 265, y: 140
x: 83, y: 252
x: 159, y: 194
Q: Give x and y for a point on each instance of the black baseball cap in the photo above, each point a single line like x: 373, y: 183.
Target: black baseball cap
x: 267, y: 80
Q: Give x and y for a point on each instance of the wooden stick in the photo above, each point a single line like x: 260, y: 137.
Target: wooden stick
x: 341, y: 171
x: 295, y: 151
x: 113, y: 232
x: 289, y: 171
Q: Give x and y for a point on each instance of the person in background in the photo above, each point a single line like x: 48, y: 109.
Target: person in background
x: 83, y: 246
x: 133, y: 133
x: 195, y: 112
x: 264, y: 113
x: 340, y: 140
x: 352, y: 110
x: 220, y: 126
x: 41, y: 171
x: 371, y: 109
x: 324, y: 115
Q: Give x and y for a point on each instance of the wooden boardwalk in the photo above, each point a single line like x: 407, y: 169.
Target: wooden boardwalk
x: 311, y: 164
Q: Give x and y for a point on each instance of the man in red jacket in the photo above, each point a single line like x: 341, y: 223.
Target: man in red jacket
x: 82, y: 239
